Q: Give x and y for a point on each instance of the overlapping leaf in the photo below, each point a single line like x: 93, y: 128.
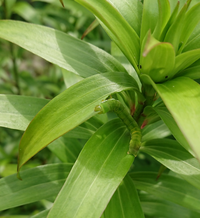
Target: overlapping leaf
x: 176, y: 158
x: 127, y: 39
x: 37, y: 184
x: 94, y: 177
x: 170, y: 188
x: 119, y: 206
x: 70, y: 109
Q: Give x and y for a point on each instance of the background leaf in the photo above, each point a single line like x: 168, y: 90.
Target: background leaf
x: 40, y: 183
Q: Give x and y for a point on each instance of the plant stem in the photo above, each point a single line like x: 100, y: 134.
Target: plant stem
x: 15, y: 69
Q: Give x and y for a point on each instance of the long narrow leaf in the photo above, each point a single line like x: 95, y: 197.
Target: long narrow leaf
x: 169, y: 188
x: 125, y: 202
x: 94, y: 177
x: 70, y: 109
x: 172, y: 155
x: 59, y: 48
x: 127, y: 38
x: 37, y: 184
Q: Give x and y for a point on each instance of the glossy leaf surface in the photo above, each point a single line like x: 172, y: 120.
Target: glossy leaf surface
x: 94, y: 177
x: 68, y: 110
x: 59, y: 48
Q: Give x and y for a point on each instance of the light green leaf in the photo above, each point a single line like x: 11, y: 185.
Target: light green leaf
x: 131, y: 10
x: 169, y: 188
x: 70, y: 78
x: 59, y: 48
x: 182, y: 98
x: 70, y: 109
x: 94, y: 177
x: 164, y: 15
x: 184, y: 60
x: 156, y: 207
x: 125, y: 202
x: 174, y: 32
x: 157, y: 59
x: 16, y: 112
x: 37, y: 184
x: 192, y: 18
x: 170, y: 21
x: 42, y: 214
x: 155, y: 131
x: 192, y: 72
x: 172, y: 155
x: 150, y: 17
x: 194, y: 43
x: 126, y: 39
x: 66, y: 149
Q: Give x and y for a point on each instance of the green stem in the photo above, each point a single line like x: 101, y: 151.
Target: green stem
x: 15, y: 69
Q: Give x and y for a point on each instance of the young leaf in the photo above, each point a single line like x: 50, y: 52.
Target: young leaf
x: 131, y: 10
x: 94, y: 177
x: 174, y: 32
x: 164, y: 15
x: 70, y: 109
x: 119, y: 206
x: 40, y: 183
x: 157, y: 59
x: 150, y: 16
x: 127, y: 39
x: 184, y: 60
x: 59, y: 48
x: 170, y: 188
x: 192, y: 18
x: 172, y: 155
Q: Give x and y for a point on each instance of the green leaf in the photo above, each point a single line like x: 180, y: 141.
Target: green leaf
x: 37, y: 184
x: 59, y: 48
x: 42, y: 214
x: 70, y: 109
x: 169, y: 188
x: 125, y: 202
x: 173, y: 127
x: 192, y: 71
x: 131, y: 10
x: 157, y: 59
x: 164, y: 15
x: 191, y: 20
x: 150, y: 16
x: 184, y: 60
x: 182, y: 98
x: 94, y: 177
x: 155, y: 131
x: 16, y: 112
x: 156, y: 207
x: 66, y: 149
x: 172, y: 155
x: 174, y: 32
x: 127, y: 39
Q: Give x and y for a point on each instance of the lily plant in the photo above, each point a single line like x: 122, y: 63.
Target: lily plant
x: 149, y: 84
